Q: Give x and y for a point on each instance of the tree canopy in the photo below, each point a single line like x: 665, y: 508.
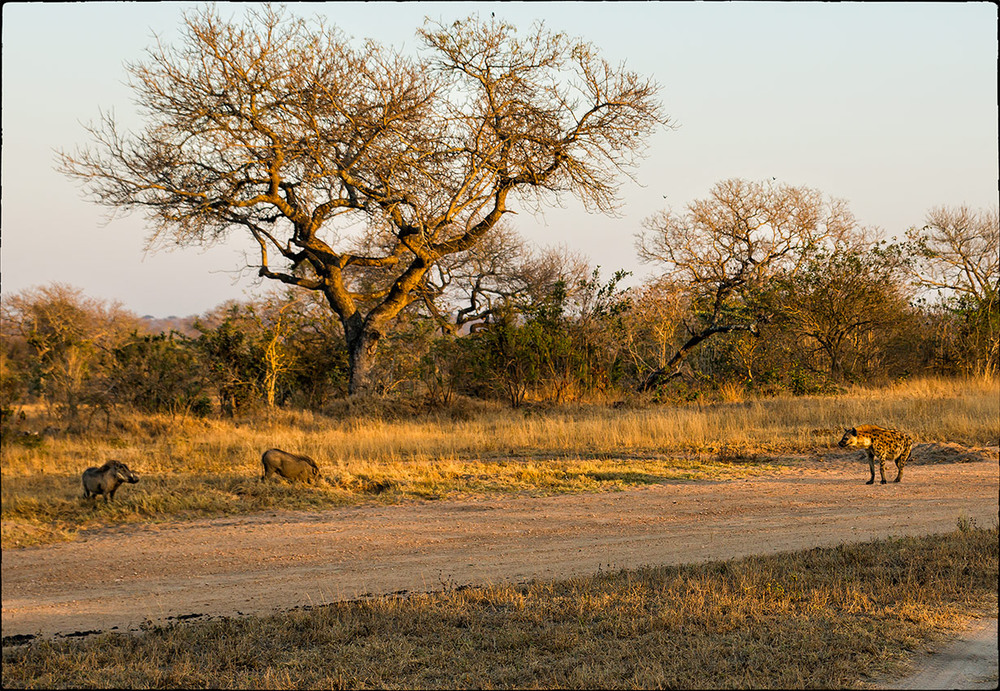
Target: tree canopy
x: 729, y: 247
x: 357, y: 168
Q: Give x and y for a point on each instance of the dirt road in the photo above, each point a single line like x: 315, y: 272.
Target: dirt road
x: 116, y: 580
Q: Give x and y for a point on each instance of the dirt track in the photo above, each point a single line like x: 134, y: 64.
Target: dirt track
x: 970, y: 662
x: 116, y: 580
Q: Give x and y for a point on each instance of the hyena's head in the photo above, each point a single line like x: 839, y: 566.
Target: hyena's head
x: 850, y: 438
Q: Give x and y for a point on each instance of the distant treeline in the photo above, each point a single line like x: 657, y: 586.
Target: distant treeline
x: 388, y: 185
x: 860, y: 314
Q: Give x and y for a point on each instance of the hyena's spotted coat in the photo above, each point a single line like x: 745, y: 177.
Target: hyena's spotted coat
x: 881, y: 443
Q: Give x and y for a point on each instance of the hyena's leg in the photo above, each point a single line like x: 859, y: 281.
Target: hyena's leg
x: 881, y: 467
x: 871, y: 467
x: 900, y: 462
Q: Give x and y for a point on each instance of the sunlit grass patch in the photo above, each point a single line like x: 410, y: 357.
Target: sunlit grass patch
x: 29, y: 532
x: 43, y: 508
x: 202, y: 467
x: 822, y: 618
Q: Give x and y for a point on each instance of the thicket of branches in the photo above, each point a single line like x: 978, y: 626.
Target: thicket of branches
x: 741, y: 306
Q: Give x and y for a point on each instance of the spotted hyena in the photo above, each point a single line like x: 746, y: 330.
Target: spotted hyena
x: 881, y: 443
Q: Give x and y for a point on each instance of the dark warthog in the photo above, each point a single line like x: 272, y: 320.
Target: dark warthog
x: 289, y: 465
x: 106, y: 479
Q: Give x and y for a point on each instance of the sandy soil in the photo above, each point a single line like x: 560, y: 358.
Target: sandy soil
x: 969, y: 662
x: 122, y: 578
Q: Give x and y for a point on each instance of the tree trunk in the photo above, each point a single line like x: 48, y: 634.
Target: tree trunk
x: 361, y: 346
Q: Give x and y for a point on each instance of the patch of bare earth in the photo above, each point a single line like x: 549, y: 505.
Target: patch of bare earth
x: 967, y: 661
x: 124, y: 578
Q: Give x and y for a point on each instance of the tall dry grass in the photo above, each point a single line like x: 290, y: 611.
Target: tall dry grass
x: 206, y: 467
x: 961, y: 411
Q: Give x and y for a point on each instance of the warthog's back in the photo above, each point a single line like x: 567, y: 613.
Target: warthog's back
x: 289, y: 465
x: 93, y: 478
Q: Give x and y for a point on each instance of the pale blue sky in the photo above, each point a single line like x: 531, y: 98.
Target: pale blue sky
x: 891, y: 106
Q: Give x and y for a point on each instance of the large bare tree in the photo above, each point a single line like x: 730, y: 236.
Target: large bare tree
x: 728, y: 247
x: 354, y: 167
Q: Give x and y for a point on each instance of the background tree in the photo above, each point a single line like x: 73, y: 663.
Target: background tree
x: 231, y: 344
x: 560, y: 340
x: 444, y: 368
x: 958, y: 254
x: 272, y: 351
x: 726, y: 249
x: 520, y: 305
x: 357, y: 169
x: 14, y: 374
x: 160, y: 373
x: 505, y: 356
x: 69, y: 340
x: 504, y: 270
x: 464, y: 287
x: 845, y: 304
x: 594, y: 314
x: 651, y: 325
x: 273, y: 319
x: 320, y: 372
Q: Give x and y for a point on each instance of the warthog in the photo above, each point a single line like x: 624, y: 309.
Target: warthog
x: 289, y: 465
x: 106, y: 479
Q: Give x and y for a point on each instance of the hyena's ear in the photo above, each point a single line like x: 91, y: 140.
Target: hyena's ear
x: 854, y: 431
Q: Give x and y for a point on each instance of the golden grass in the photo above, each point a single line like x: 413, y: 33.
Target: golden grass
x: 203, y: 467
x: 47, y: 508
x: 822, y: 618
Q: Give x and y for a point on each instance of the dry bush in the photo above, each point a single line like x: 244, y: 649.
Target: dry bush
x: 733, y: 392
